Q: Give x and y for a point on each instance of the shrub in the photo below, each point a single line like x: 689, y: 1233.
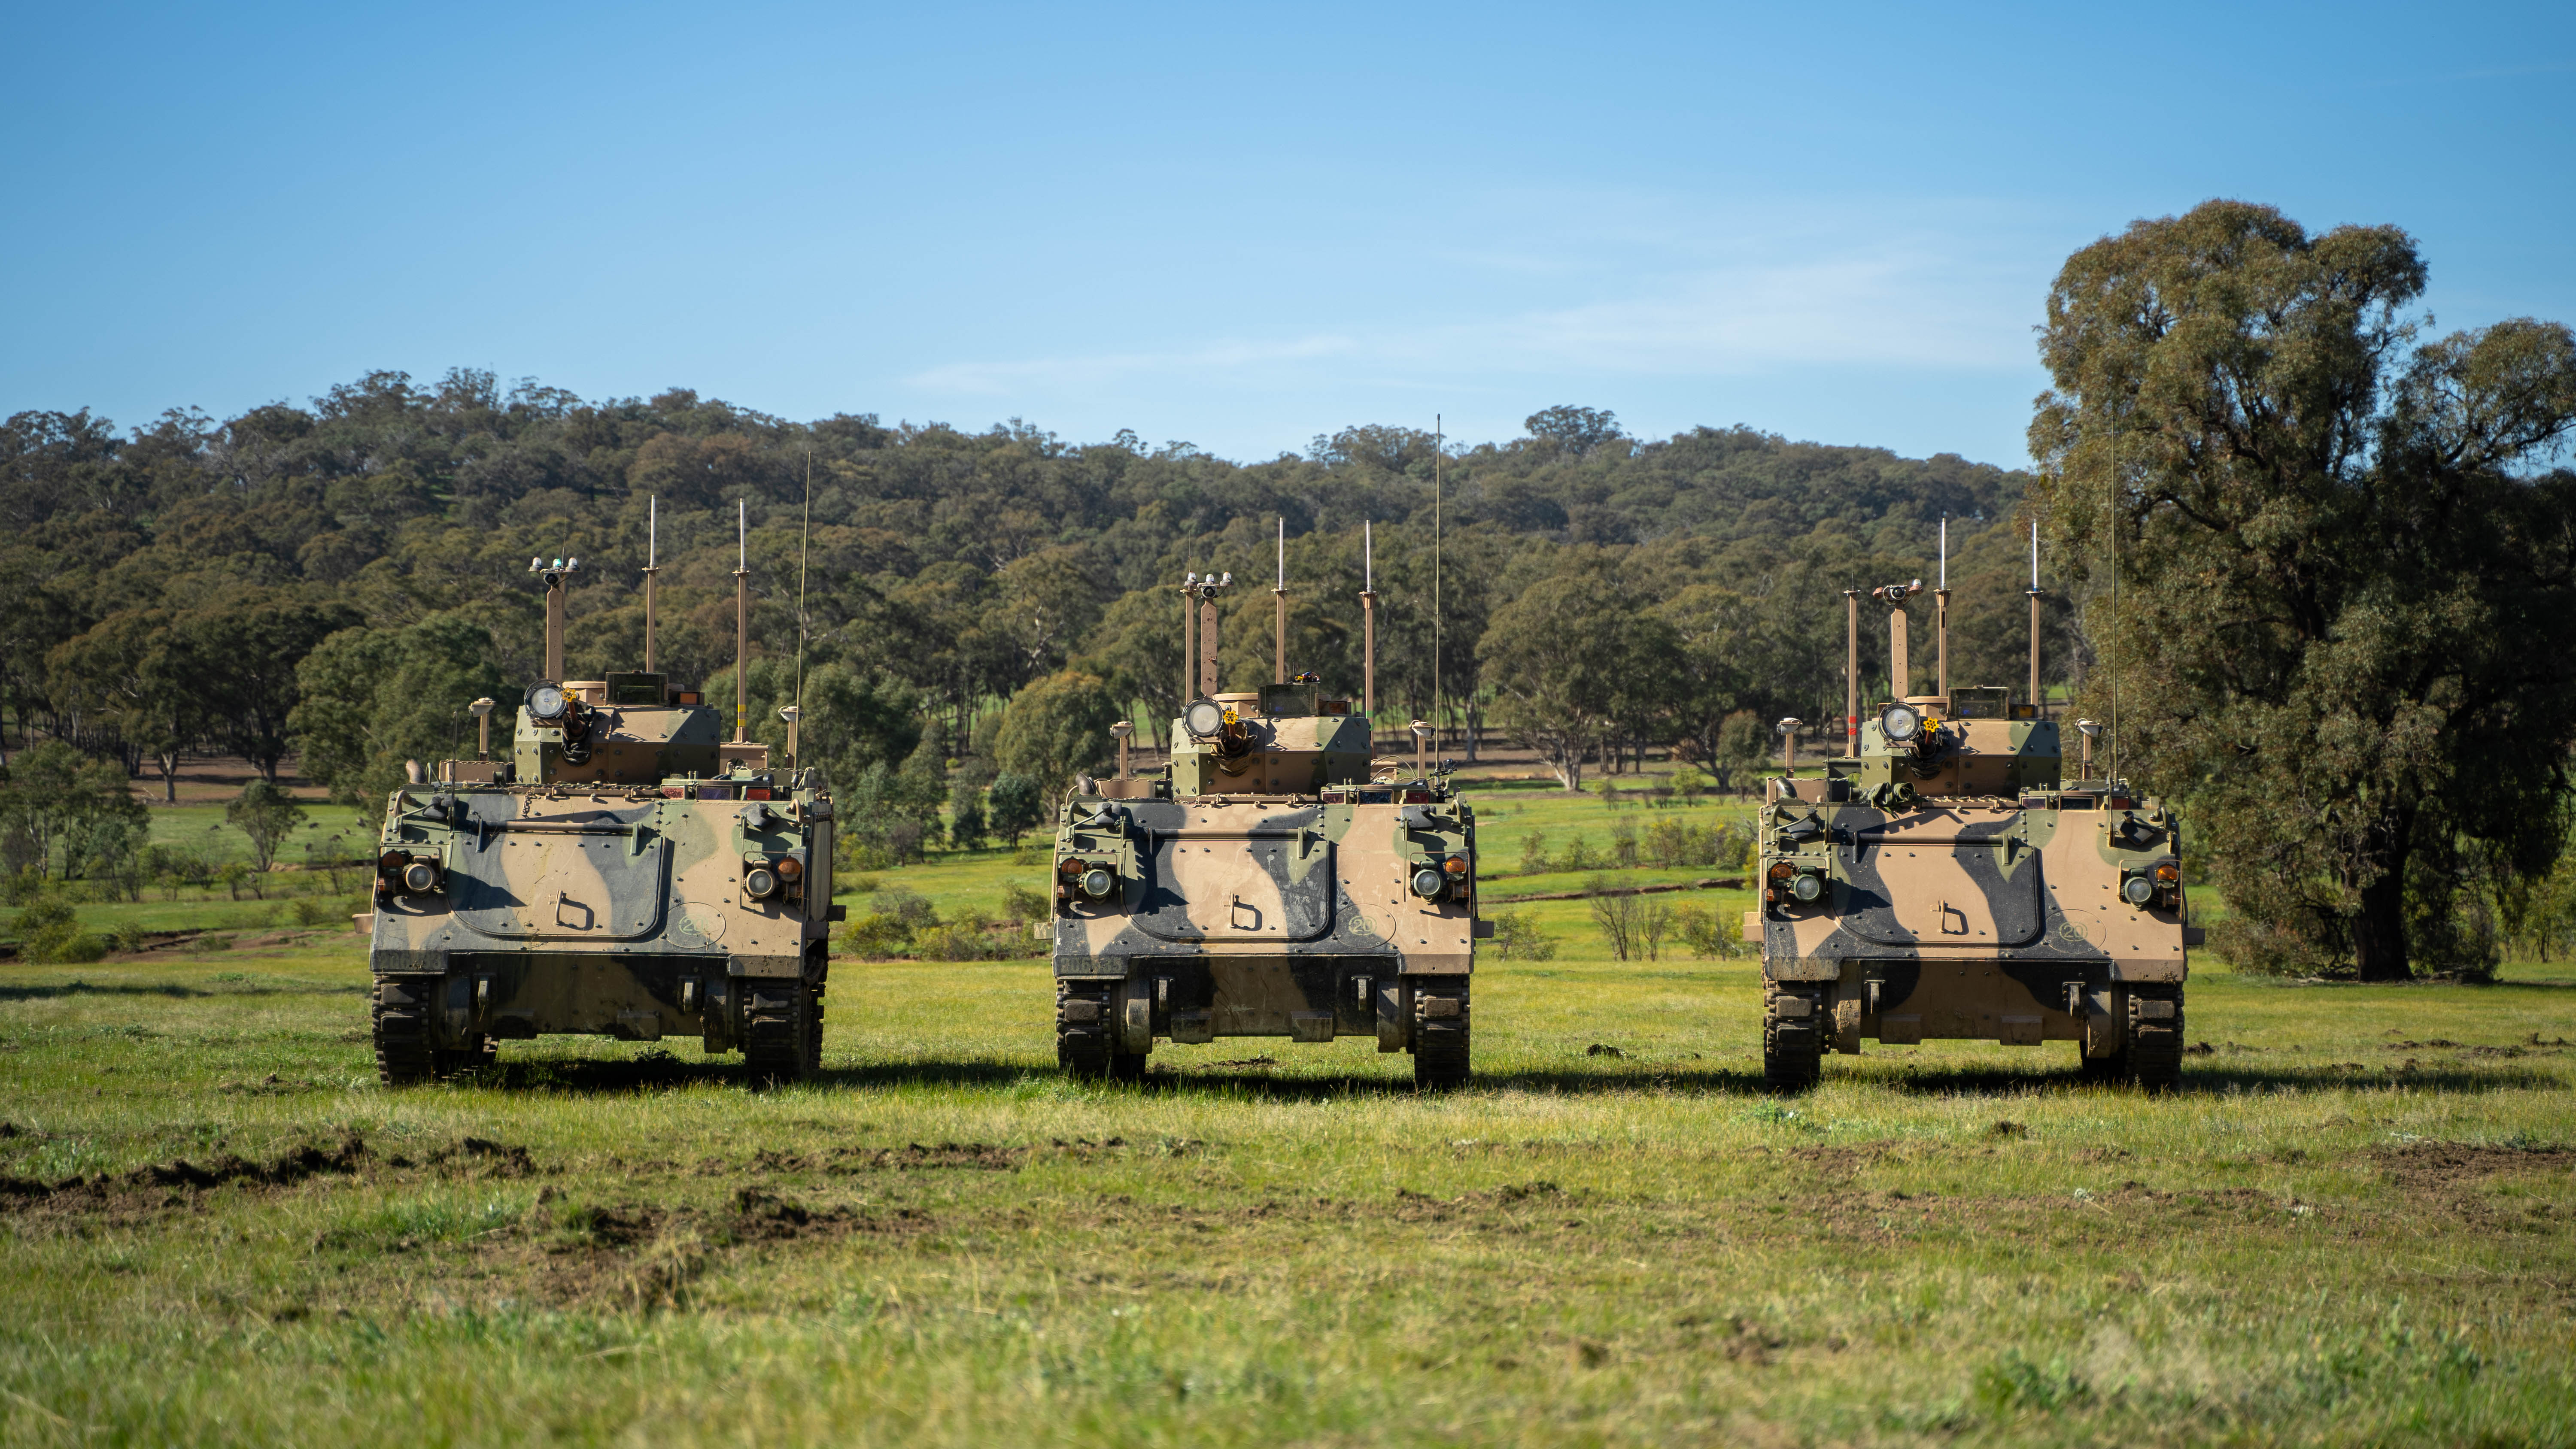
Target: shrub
x: 1709, y: 933
x: 963, y: 941
x: 49, y: 932
x: 909, y: 907
x: 127, y: 938
x: 1623, y: 845
x: 311, y: 912
x: 1534, y: 853
x: 1673, y: 842
x: 1019, y: 903
x: 875, y: 936
x: 857, y: 885
x: 1688, y: 783
x: 1518, y: 938
x: 856, y: 854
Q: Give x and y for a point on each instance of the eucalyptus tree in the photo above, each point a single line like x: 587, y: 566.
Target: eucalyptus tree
x: 2345, y: 577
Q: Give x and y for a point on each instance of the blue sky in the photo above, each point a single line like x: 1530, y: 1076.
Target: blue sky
x: 1232, y: 226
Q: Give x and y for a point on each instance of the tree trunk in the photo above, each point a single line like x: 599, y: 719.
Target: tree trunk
x: 2379, y: 931
x: 169, y: 776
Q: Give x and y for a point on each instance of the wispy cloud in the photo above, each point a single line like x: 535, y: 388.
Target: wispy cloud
x: 1662, y: 300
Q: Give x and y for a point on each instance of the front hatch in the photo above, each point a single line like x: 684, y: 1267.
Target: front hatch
x: 1271, y: 882
x: 593, y: 874
x: 1941, y: 880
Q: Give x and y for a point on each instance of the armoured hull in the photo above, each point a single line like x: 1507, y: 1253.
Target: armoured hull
x: 1338, y: 909
x: 2046, y: 913
x: 625, y: 875
x: 622, y: 915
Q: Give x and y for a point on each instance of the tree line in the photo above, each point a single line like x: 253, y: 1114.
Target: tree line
x: 337, y: 579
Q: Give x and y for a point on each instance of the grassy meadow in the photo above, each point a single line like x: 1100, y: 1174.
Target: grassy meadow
x: 2351, y: 1226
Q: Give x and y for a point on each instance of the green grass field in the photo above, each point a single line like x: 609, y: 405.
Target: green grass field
x: 2352, y: 1226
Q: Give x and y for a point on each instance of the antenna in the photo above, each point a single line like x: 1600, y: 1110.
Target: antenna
x: 741, y: 618
x: 1279, y: 595
x: 1941, y: 616
x: 2114, y: 409
x: 1437, y: 438
x: 1368, y: 627
x: 652, y: 569
x: 2034, y: 618
x: 802, y: 545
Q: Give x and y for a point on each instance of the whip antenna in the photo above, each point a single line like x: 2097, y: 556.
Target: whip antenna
x: 802, y: 545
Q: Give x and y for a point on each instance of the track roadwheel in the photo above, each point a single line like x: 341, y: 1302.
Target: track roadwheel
x: 401, y: 1018
x: 1082, y: 1024
x: 779, y: 1038
x: 1792, y: 1047
x: 1441, y: 1036
x: 2154, y: 1050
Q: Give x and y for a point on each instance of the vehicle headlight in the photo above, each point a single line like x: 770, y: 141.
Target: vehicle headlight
x: 1204, y: 719
x: 1808, y: 888
x: 420, y: 878
x: 1097, y: 883
x: 2137, y: 890
x: 1428, y: 883
x: 546, y: 702
x: 1900, y: 723
x: 760, y: 883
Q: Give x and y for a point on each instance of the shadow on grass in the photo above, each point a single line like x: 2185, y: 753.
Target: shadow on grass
x: 662, y: 1072
x: 171, y: 991
x: 2212, y: 1080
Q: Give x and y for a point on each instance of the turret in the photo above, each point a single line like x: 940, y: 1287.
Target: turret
x: 626, y: 729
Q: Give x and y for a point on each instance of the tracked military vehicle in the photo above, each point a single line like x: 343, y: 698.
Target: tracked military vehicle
x: 1271, y: 881
x: 627, y: 872
x: 1942, y: 881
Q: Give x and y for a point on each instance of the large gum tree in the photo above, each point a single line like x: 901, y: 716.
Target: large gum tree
x: 2346, y: 573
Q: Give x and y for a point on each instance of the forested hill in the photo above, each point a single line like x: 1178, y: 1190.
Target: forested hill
x: 174, y: 586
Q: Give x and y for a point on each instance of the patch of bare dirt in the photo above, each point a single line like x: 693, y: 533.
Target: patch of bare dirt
x: 170, y: 1184
x: 1411, y: 1206
x: 973, y: 1156
x: 2431, y: 1165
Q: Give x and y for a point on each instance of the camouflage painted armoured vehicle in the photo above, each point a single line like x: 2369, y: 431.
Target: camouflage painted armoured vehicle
x: 1941, y: 882
x: 1272, y: 880
x: 626, y: 873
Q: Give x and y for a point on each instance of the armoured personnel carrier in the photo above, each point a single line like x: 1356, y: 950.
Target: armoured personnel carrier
x: 1943, y: 882
x: 1272, y: 880
x: 627, y: 872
